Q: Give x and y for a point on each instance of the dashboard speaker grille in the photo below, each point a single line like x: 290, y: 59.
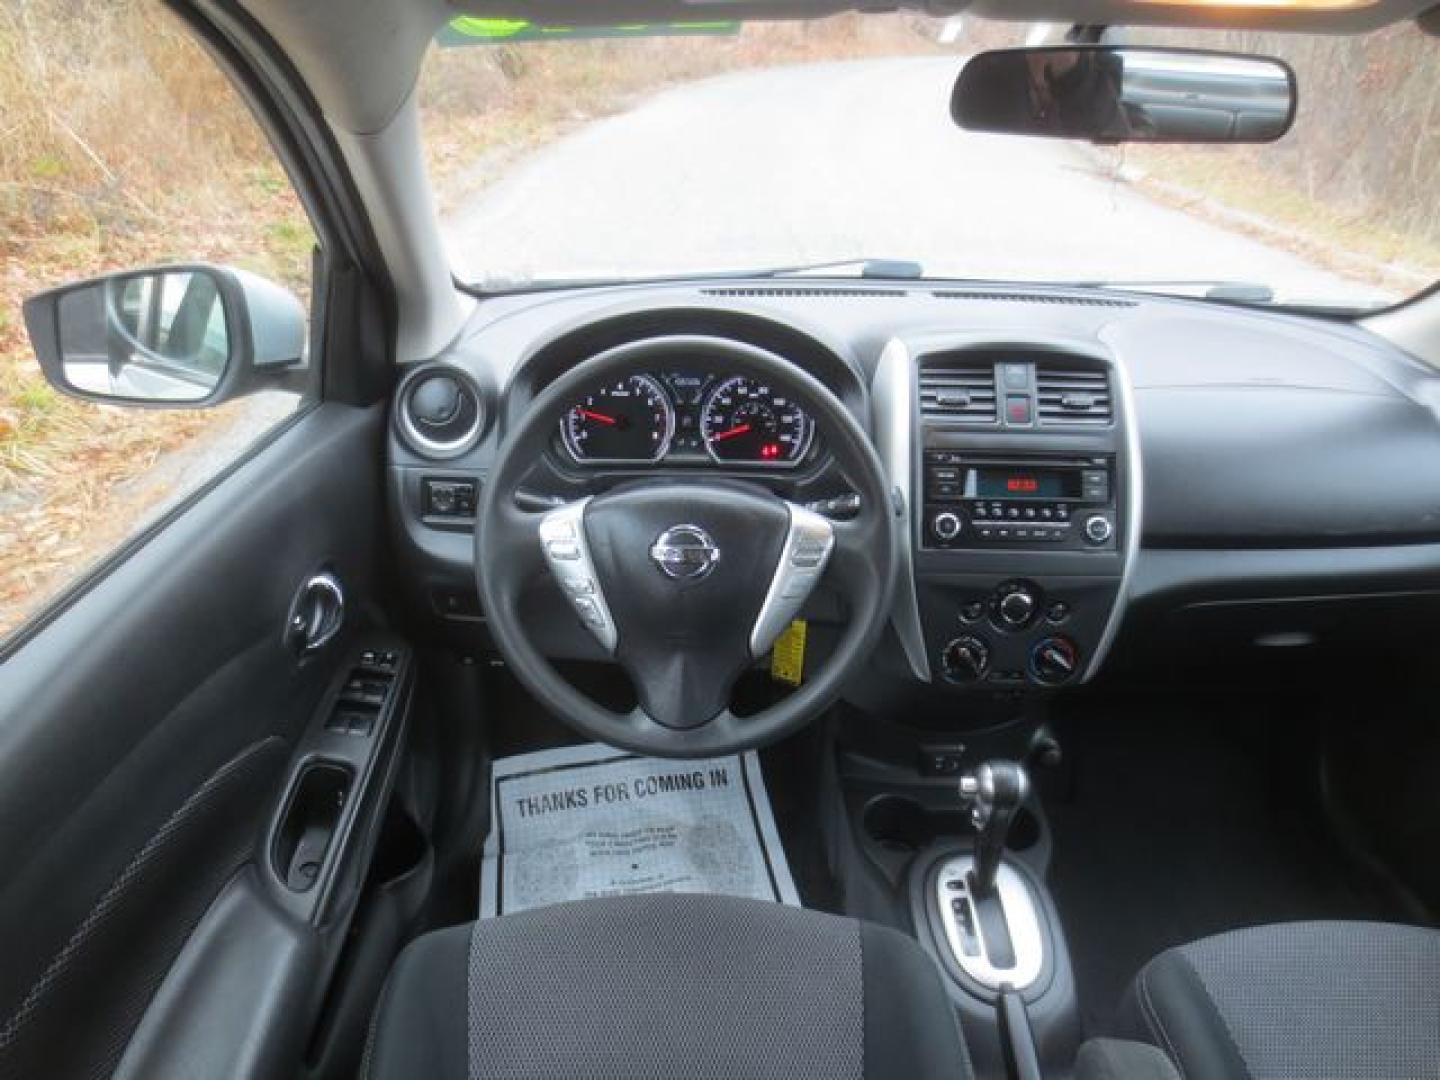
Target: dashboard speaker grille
x: 1033, y: 298
x: 951, y: 390
x: 1072, y: 396
x: 802, y: 292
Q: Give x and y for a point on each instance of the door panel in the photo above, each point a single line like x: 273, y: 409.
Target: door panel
x: 143, y: 733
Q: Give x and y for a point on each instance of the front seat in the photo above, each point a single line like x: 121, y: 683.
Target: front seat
x: 665, y: 986
x: 1298, y: 1001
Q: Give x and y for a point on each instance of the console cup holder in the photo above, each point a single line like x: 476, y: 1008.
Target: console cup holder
x: 904, y: 825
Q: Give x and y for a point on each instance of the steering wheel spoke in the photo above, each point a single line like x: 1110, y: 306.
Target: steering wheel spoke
x: 809, y: 542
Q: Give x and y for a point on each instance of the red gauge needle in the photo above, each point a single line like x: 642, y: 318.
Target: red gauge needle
x: 738, y: 429
x: 591, y: 414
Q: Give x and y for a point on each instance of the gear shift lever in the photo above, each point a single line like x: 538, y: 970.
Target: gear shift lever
x: 994, y: 793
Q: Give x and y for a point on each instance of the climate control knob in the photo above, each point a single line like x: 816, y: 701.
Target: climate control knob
x: 1015, y: 606
x: 1054, y: 660
x: 966, y: 659
x: 1098, y: 529
x: 947, y: 526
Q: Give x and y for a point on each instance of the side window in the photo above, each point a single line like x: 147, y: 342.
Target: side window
x: 125, y: 147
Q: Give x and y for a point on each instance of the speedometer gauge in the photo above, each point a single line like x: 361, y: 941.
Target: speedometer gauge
x: 627, y: 421
x: 748, y: 421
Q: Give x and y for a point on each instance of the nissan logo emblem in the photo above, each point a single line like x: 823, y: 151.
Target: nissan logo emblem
x: 685, y: 552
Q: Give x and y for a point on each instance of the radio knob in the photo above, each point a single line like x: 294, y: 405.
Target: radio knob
x: 947, y: 526
x: 966, y: 659
x: 1016, y: 607
x: 1054, y: 660
x: 1098, y: 529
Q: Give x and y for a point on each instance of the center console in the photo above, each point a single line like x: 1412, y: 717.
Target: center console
x: 1019, y: 464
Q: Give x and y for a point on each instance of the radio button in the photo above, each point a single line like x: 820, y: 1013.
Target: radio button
x: 946, y: 525
x: 1098, y: 529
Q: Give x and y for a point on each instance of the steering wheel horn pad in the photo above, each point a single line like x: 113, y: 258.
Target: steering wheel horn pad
x: 683, y: 637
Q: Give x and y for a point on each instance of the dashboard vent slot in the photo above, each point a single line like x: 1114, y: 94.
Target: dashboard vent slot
x: 801, y: 293
x: 1033, y: 298
x: 1072, y: 395
x: 951, y: 391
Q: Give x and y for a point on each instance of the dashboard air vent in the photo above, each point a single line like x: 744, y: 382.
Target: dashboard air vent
x: 801, y: 292
x: 1072, y: 395
x: 951, y: 390
x: 440, y: 411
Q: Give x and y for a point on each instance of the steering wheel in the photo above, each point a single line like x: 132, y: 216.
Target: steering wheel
x: 685, y: 582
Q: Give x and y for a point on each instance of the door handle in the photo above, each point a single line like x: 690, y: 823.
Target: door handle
x: 316, y: 614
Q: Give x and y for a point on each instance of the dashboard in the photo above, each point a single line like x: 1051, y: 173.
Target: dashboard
x: 1089, y: 482
x: 687, y: 417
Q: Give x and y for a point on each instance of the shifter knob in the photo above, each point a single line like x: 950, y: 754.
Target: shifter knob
x: 994, y: 793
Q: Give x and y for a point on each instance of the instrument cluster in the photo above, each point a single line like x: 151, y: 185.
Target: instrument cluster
x: 687, y: 417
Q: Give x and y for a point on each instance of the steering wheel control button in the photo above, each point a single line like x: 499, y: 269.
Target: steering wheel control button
x: 1054, y: 661
x: 966, y: 659
x: 1015, y: 605
x: 947, y: 525
x: 577, y: 586
x: 809, y: 543
x: 1098, y: 529
x: 809, y: 552
x: 562, y: 540
x: 685, y: 552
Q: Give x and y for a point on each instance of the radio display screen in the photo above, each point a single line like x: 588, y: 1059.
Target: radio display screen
x: 1014, y: 483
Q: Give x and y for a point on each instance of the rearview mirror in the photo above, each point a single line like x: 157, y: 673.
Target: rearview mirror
x: 1126, y: 95
x: 171, y: 336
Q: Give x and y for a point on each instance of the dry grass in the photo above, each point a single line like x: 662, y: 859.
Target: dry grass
x: 121, y: 144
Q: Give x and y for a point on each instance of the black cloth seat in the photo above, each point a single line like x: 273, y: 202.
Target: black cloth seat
x: 1297, y: 1001
x: 662, y: 986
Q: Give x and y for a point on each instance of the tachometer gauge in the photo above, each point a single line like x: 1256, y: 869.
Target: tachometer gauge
x: 748, y: 421
x: 627, y: 421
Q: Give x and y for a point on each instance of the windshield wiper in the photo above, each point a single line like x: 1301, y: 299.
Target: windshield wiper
x: 884, y: 269
x: 873, y: 269
x: 1235, y: 292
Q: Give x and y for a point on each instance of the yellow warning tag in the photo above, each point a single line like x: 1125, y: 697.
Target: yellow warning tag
x: 787, y: 658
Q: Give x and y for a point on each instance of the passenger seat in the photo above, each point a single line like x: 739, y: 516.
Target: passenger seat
x: 1297, y: 1001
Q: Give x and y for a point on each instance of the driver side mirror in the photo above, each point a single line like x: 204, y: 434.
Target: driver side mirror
x: 173, y: 336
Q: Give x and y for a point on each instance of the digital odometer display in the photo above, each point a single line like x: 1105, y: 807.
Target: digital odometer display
x: 627, y: 421
x: 748, y: 421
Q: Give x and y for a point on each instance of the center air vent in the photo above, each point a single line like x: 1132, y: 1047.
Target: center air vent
x: 439, y: 411
x: 1072, y: 395
x: 957, y: 391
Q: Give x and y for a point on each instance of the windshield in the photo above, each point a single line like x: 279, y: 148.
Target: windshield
x: 782, y: 144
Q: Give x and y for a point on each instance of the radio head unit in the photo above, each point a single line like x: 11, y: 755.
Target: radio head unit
x: 977, y: 500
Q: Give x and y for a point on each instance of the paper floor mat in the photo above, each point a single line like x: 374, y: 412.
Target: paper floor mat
x: 588, y: 821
